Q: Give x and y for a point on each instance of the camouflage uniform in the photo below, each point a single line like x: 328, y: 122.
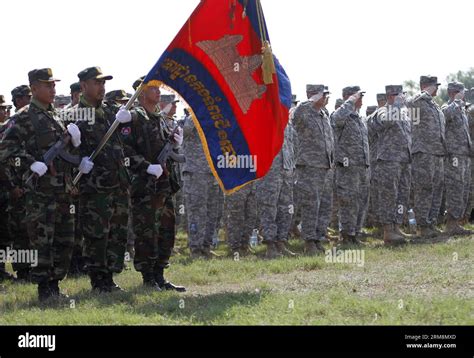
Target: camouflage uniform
x: 352, y: 166
x: 429, y: 149
x: 392, y: 170
x: 457, y: 163
x: 104, y: 200
x: 313, y: 166
x: 470, y: 112
x: 275, y: 192
x: 50, y: 223
x: 201, y: 192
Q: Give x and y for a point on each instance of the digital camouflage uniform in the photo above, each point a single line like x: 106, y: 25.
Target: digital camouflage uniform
x: 315, y: 160
x: 457, y: 163
x: 201, y: 193
x: 352, y: 167
x: 429, y: 150
x: 470, y: 113
x: 49, y: 221
x: 104, y: 198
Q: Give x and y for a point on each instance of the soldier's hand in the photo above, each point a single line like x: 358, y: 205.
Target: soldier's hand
x: 178, y: 137
x: 123, y: 115
x: 400, y: 100
x: 355, y: 97
x: 75, y: 133
x: 39, y: 168
x: 155, y: 169
x: 316, y: 97
x: 86, y: 165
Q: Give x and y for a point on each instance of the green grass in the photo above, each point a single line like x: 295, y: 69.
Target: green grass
x: 429, y: 283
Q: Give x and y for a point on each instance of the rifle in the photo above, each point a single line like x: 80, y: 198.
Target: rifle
x: 58, y: 150
x: 168, y: 153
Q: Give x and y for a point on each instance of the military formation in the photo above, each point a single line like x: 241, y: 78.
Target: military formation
x: 86, y: 206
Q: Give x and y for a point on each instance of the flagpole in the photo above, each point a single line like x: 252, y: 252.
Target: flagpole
x: 109, y: 133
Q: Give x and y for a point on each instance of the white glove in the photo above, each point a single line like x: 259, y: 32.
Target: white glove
x: 431, y: 90
x: 316, y: 97
x: 123, y: 115
x: 355, y: 97
x: 155, y: 169
x: 400, y: 100
x: 86, y: 165
x: 39, y: 168
x: 178, y: 138
x: 75, y: 133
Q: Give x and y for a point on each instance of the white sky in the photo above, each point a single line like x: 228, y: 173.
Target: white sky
x: 335, y: 42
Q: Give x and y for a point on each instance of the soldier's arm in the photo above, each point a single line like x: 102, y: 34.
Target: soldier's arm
x: 188, y: 127
x: 340, y: 116
x: 13, y: 147
x: 450, y: 111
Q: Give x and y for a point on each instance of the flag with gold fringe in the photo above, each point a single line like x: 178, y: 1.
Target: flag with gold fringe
x: 221, y: 64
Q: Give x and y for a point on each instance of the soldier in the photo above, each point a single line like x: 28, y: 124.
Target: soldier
x: 116, y: 98
x: 429, y: 149
x: 104, y: 193
x: 275, y: 198
x: 370, y: 110
x: 152, y: 190
x: 21, y: 97
x: 352, y: 165
x: 4, y: 108
x: 470, y: 112
x: 49, y: 220
x: 200, y: 193
x: 314, y: 161
x: 457, y: 163
x: 381, y: 99
x: 392, y: 171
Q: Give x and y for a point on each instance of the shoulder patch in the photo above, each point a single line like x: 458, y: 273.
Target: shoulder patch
x: 126, y: 131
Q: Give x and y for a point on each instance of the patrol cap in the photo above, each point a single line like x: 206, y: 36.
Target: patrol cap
x: 138, y: 82
x: 350, y: 90
x: 339, y: 102
x: 116, y: 95
x: 168, y: 98
x: 75, y: 87
x: 381, y: 97
x: 293, y: 99
x: 393, y: 90
x: 93, y: 73
x: 3, y: 103
x: 20, y: 91
x: 429, y: 80
x: 41, y: 75
x: 370, y: 110
x: 456, y: 87
x: 315, y: 88
x: 326, y: 90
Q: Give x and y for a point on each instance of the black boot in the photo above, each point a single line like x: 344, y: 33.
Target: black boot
x: 98, y: 282
x: 166, y: 285
x: 44, y: 291
x: 54, y: 288
x: 149, y: 281
x: 111, y: 285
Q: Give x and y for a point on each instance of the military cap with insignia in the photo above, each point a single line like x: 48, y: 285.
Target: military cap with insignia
x: 41, y: 75
x: 93, y: 73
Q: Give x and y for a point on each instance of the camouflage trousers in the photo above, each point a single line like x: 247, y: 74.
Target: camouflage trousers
x: 50, y: 226
x: 312, y: 186
x: 17, y: 229
x: 457, y: 177
x: 428, y: 182
x: 352, y: 186
x: 373, y: 210
x: 154, y: 226
x: 104, y: 218
x: 181, y: 219
x: 275, y: 204
x: 5, y: 237
x: 470, y: 205
x: 201, y: 197
x: 392, y: 180
x: 241, y: 216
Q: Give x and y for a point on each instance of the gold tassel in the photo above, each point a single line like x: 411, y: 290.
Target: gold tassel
x: 268, y: 66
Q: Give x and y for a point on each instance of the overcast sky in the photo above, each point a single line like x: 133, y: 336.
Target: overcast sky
x: 337, y: 42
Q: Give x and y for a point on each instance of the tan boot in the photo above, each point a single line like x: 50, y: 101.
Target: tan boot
x: 427, y: 232
x: 400, y: 232
x: 282, y: 249
x: 272, y: 251
x: 313, y: 248
x: 453, y: 228
x: 391, y: 237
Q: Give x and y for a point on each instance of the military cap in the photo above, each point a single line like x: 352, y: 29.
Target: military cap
x: 339, y: 102
x: 3, y: 104
x: 117, y: 95
x: 62, y: 100
x: 168, y: 98
x: 393, y: 90
x: 429, y: 80
x: 315, y: 88
x: 138, y: 82
x: 456, y: 87
x: 381, y: 97
x: 93, y: 73
x: 350, y: 90
x: 293, y: 99
x: 370, y: 110
x: 326, y: 90
x: 20, y: 91
x: 41, y: 75
x: 75, y: 87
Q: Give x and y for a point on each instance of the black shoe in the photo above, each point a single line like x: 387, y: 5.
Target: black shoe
x: 98, y: 282
x: 109, y: 282
x: 166, y: 285
x: 149, y: 282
